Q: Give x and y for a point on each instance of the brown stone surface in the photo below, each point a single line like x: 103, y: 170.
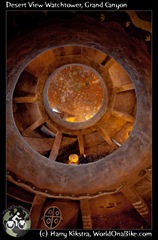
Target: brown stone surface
x: 113, y: 169
x: 69, y: 211
x: 125, y: 102
x: 26, y: 85
x: 35, y: 211
x: 118, y: 75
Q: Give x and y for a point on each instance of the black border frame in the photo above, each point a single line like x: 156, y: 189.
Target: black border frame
x: 147, y: 5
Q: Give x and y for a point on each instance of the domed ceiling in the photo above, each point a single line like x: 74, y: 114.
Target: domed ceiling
x: 81, y: 87
x: 96, y: 103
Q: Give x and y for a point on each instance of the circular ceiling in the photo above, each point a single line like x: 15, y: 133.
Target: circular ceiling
x: 74, y: 93
x: 83, y: 95
x: 27, y: 76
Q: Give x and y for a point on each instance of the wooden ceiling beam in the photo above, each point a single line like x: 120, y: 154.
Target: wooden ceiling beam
x: 35, y: 125
x: 103, y: 133
x: 86, y: 214
x: 109, y: 63
x: 56, y: 146
x: 138, y: 203
x: 95, y: 55
x: 26, y: 99
x: 111, y: 102
x: 80, y: 143
x: 124, y: 88
x: 125, y: 116
x: 36, y: 208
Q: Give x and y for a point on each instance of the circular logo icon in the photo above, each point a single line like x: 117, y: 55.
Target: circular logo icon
x: 16, y: 221
x: 52, y: 217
